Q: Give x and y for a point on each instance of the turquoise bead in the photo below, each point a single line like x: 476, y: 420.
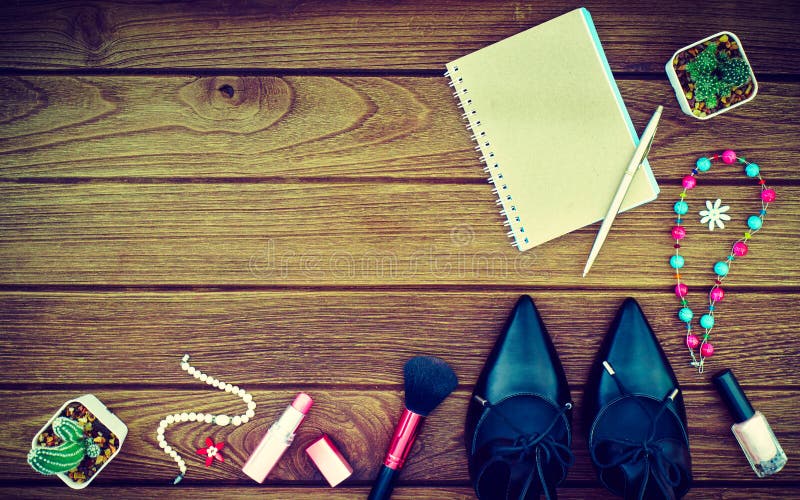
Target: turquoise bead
x: 703, y: 164
x: 681, y: 207
x: 707, y: 321
x: 751, y: 170
x: 685, y: 314
x: 676, y: 261
x: 721, y: 268
x: 754, y: 222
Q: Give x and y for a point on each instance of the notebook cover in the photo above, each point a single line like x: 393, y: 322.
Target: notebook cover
x: 551, y: 126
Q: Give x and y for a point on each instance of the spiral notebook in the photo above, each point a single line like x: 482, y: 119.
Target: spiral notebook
x: 551, y: 127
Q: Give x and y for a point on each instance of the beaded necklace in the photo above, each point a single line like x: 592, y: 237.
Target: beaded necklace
x: 722, y: 267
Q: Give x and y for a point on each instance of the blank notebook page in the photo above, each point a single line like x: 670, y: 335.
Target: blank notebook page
x: 551, y: 126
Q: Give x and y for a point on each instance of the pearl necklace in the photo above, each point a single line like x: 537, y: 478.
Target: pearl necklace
x: 221, y: 420
x: 721, y: 268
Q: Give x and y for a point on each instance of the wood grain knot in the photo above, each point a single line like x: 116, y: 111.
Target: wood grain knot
x: 91, y: 27
x: 238, y: 104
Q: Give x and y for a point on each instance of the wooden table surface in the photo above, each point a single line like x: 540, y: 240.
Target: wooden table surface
x: 286, y: 191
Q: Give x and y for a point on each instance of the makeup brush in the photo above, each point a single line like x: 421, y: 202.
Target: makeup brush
x: 428, y: 380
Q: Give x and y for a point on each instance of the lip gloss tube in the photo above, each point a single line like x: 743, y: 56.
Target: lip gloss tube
x: 277, y: 439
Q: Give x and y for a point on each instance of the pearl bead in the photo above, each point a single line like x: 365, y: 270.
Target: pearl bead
x: 703, y: 164
x: 768, y: 195
x: 245, y: 419
x: 215, y: 383
x: 251, y: 405
x: 201, y: 417
x: 228, y: 387
x: 242, y: 392
x: 751, y: 170
x: 237, y: 420
x: 222, y: 420
x: 707, y: 321
x: 185, y: 366
x: 183, y: 417
x: 160, y: 437
x: 163, y: 424
x: 167, y: 449
x: 729, y: 156
x: 678, y: 232
x: 203, y: 377
x: 676, y: 261
x: 721, y: 268
x: 681, y: 290
x: 182, y: 468
x: 740, y: 249
x: 173, y: 454
x: 692, y: 341
x: 689, y: 182
x: 192, y: 416
x: 210, y: 381
x: 160, y: 431
x: 235, y: 389
x: 162, y: 444
x: 247, y: 398
x: 681, y: 207
x: 685, y: 314
x: 754, y: 222
x: 191, y: 370
x: 717, y: 294
x: 170, y: 419
x: 197, y: 374
x: 209, y: 418
x: 250, y: 414
x: 707, y: 350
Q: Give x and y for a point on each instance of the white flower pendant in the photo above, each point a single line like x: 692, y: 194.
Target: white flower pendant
x: 715, y: 215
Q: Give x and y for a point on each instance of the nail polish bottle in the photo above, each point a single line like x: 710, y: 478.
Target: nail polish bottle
x: 751, y: 429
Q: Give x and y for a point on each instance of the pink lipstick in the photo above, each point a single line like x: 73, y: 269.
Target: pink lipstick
x: 277, y: 439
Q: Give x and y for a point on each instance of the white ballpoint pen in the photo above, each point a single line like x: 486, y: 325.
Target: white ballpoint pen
x: 638, y: 157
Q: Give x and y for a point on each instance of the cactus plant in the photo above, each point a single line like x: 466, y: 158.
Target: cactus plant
x: 705, y: 62
x: 76, y: 446
x: 735, y: 72
x: 716, y: 75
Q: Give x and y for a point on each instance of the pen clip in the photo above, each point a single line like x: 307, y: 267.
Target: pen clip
x: 649, y: 145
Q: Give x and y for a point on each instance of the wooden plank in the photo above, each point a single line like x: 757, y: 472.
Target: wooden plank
x: 348, y: 234
x: 396, y: 36
x: 312, y: 127
x: 341, y: 338
x: 698, y: 491
x: 361, y: 421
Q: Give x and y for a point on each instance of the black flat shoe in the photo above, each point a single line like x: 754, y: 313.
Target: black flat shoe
x: 518, y: 422
x: 637, y: 439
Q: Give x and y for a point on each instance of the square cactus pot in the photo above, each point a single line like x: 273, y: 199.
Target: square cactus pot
x: 712, y: 76
x: 110, y: 433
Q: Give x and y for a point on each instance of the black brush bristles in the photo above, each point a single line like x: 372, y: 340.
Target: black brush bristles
x: 428, y: 380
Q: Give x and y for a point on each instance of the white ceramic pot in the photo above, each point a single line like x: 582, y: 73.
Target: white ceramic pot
x: 680, y: 92
x: 101, y: 413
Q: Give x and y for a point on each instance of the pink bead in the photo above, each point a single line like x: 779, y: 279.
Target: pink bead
x: 689, y: 182
x: 768, y: 195
x: 692, y: 341
x: 707, y: 350
x: 681, y: 290
x: 728, y: 156
x: 739, y: 249
x: 678, y: 232
x: 717, y: 294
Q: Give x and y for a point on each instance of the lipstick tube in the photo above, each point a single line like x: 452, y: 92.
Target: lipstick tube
x: 277, y: 439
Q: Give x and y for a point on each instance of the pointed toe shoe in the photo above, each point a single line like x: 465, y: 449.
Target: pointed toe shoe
x: 517, y: 431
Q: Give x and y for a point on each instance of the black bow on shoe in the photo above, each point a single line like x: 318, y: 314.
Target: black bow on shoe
x: 535, y: 450
x: 649, y: 454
